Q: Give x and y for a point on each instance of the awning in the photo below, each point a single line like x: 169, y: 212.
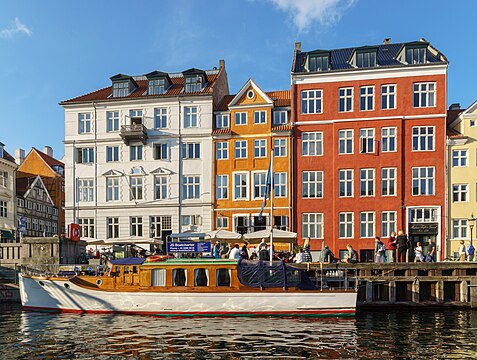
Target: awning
x: 93, y: 241
x: 279, y: 236
x: 124, y: 241
x: 5, y: 234
x: 188, y: 236
x: 223, y: 234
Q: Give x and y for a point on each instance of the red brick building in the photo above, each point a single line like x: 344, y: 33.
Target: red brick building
x: 369, y: 144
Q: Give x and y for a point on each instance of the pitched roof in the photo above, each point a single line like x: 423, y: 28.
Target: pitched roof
x: 176, y: 88
x: 7, y: 156
x: 386, y: 56
x: 48, y: 159
x: 280, y: 98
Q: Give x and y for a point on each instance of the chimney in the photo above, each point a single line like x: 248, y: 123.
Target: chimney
x: 221, y: 63
x: 455, y: 106
x: 48, y: 151
x: 298, y: 46
x: 422, y: 40
x: 19, y: 156
x: 387, y: 41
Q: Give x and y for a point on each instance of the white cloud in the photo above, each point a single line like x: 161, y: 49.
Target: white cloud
x: 17, y: 27
x: 306, y: 12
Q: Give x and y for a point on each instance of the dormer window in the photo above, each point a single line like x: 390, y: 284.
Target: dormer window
x: 157, y: 86
x: 120, y: 89
x: 193, y: 83
x: 416, y: 55
x: 319, y: 61
x: 366, y: 59
x: 123, y: 85
x: 1, y: 150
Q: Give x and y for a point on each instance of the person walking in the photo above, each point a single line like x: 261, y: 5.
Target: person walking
x: 392, y: 246
x: 306, y: 251
x: 379, y: 251
x: 418, y: 253
x: 402, y: 246
x: 462, y: 251
x: 470, y: 251
x: 431, y: 250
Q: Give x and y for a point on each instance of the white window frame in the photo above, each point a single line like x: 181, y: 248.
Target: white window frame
x: 459, y: 228
x: 314, y: 97
x: 222, y: 187
x: 346, y: 220
x: 112, y: 121
x: 161, y: 151
x: 85, y: 155
x: 460, y: 193
x: 222, y: 222
x: 222, y: 150
x: 112, y: 188
x: 259, y: 182
x: 461, y: 157
x: 345, y: 137
x: 112, y: 153
x: 87, y: 228
x: 160, y: 118
x: 246, y: 176
x: 4, y: 179
x: 260, y: 117
x: 346, y: 182
x: 3, y: 208
x: 280, y: 184
x: 84, y: 123
x: 312, y: 143
x: 366, y: 93
x: 86, y: 190
x: 136, y: 226
x: 388, y: 223
x: 135, y: 152
x: 312, y: 225
x: 388, y: 92
x: 280, y: 117
x: 388, y: 138
x: 366, y: 141
x: 222, y: 121
x: 280, y: 147
x: 260, y: 148
x: 191, y: 150
x: 312, y: 184
x: 240, y: 118
x: 367, y: 178
x: 190, y: 187
x: 161, y: 187
x: 191, y: 117
x: 419, y: 178
x: 345, y: 99
x: 367, y: 224
x: 112, y: 226
x: 136, y: 188
x: 388, y: 181
x: 421, y: 136
x: 425, y: 94
x: 240, y: 148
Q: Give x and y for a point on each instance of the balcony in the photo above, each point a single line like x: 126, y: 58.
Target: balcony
x: 133, y: 132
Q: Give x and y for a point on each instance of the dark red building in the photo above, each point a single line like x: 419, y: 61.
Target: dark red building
x: 369, y: 144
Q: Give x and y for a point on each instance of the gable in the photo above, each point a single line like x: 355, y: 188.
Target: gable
x: 35, y: 164
x: 251, y: 95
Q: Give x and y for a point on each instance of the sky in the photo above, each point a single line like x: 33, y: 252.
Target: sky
x: 55, y: 50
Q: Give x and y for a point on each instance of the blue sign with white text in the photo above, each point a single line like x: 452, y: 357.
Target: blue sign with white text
x: 188, y: 247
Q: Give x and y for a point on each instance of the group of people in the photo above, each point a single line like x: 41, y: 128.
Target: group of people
x: 401, y: 249
x: 466, y: 253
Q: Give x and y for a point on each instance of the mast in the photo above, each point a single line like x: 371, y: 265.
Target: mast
x: 271, y: 202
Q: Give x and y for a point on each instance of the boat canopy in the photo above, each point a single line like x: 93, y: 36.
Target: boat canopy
x: 260, y: 274
x: 128, y: 261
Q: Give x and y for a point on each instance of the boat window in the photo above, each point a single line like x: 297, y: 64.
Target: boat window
x: 201, y: 277
x: 158, y: 277
x: 179, y: 276
x: 115, y: 272
x: 126, y: 270
x: 223, y: 277
x: 134, y: 269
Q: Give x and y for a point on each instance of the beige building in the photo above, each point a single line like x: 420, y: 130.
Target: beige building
x: 7, y: 195
x: 462, y: 176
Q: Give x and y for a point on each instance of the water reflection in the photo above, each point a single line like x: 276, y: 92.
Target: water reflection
x: 405, y: 334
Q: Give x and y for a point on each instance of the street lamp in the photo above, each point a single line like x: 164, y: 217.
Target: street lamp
x: 471, y: 225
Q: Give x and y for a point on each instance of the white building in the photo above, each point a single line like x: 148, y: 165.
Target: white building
x: 138, y: 155
x: 8, y: 196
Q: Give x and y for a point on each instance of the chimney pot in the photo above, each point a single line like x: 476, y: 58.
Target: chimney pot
x: 48, y: 151
x: 19, y: 156
x: 455, y: 106
x: 387, y: 41
x: 298, y: 46
x: 221, y: 63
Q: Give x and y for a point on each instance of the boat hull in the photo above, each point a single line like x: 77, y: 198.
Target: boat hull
x: 66, y: 296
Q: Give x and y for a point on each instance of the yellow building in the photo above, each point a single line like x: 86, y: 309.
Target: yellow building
x: 249, y: 125
x: 461, y: 176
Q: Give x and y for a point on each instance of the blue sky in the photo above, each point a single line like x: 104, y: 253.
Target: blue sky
x: 54, y: 50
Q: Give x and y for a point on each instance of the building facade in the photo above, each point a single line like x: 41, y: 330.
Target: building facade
x: 369, y: 128
x: 8, y: 168
x: 462, y: 179
x: 249, y: 127
x: 139, y: 155
x: 36, y: 208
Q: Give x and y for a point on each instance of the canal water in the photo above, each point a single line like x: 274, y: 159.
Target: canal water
x: 429, y: 334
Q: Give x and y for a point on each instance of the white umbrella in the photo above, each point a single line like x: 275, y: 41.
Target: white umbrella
x: 223, y: 234
x: 93, y: 241
x: 132, y: 241
x: 280, y: 236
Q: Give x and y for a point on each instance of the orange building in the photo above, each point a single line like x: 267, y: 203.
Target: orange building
x: 248, y: 126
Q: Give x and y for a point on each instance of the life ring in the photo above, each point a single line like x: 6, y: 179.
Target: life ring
x: 157, y: 258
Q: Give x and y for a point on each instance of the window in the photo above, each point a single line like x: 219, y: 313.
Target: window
x: 193, y: 83
x: 86, y: 227
x: 136, y: 187
x: 424, y: 94
x: 345, y: 141
x: 84, y: 123
x: 345, y: 225
x: 472, y: 123
x: 160, y: 118
x: 222, y: 150
x: 191, y: 187
x: 86, y: 190
x: 112, y: 189
x: 190, y: 116
x: 222, y: 121
x: 459, y: 158
x: 366, y: 137
x: 135, y: 152
x: 3, y: 209
x: 367, y: 182
x: 136, y: 226
x: 120, y: 89
x: 112, y: 121
x: 416, y: 55
x: 260, y: 148
x: 112, y: 153
x: 179, y: 277
x: 318, y: 63
x: 85, y: 155
x: 158, y: 277
x: 459, y: 192
x: 312, y: 144
x: 312, y: 225
x: 201, y: 277
x: 260, y: 117
x: 4, y: 178
x: 222, y: 222
x: 423, y: 181
x: 280, y: 117
x: 156, y: 86
x: 422, y: 138
x: 345, y: 179
x: 280, y: 184
x: 279, y: 147
x: 366, y: 98
x: 222, y: 186
x: 388, y: 97
x: 160, y: 187
x: 366, y: 59
x: 459, y: 228
x: 388, y: 181
x: 113, y: 227
x: 135, y: 115
x: 311, y: 101
x: 388, y: 223
x: 191, y: 220
x: 388, y: 139
x: 161, y: 151
x: 241, y: 149
x: 259, y: 184
x: 345, y: 99
x: 423, y: 215
x: 191, y: 151
x: 240, y: 186
x: 223, y: 277
x: 366, y: 227
x: 240, y: 118
x: 312, y: 184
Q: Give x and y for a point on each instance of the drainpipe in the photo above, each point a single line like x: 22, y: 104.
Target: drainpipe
x: 74, y: 181
x: 95, y: 170
x: 180, y: 165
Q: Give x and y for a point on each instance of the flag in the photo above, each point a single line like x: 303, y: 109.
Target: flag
x: 268, y: 189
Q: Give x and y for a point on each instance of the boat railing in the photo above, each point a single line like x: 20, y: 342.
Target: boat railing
x: 60, y: 270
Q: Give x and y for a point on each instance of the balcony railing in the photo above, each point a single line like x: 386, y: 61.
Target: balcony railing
x: 133, y: 132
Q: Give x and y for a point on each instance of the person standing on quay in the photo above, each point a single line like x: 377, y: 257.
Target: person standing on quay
x: 379, y: 250
x: 402, y: 246
x: 306, y: 251
x: 431, y: 250
x: 470, y: 251
x: 462, y: 251
x: 392, y: 246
